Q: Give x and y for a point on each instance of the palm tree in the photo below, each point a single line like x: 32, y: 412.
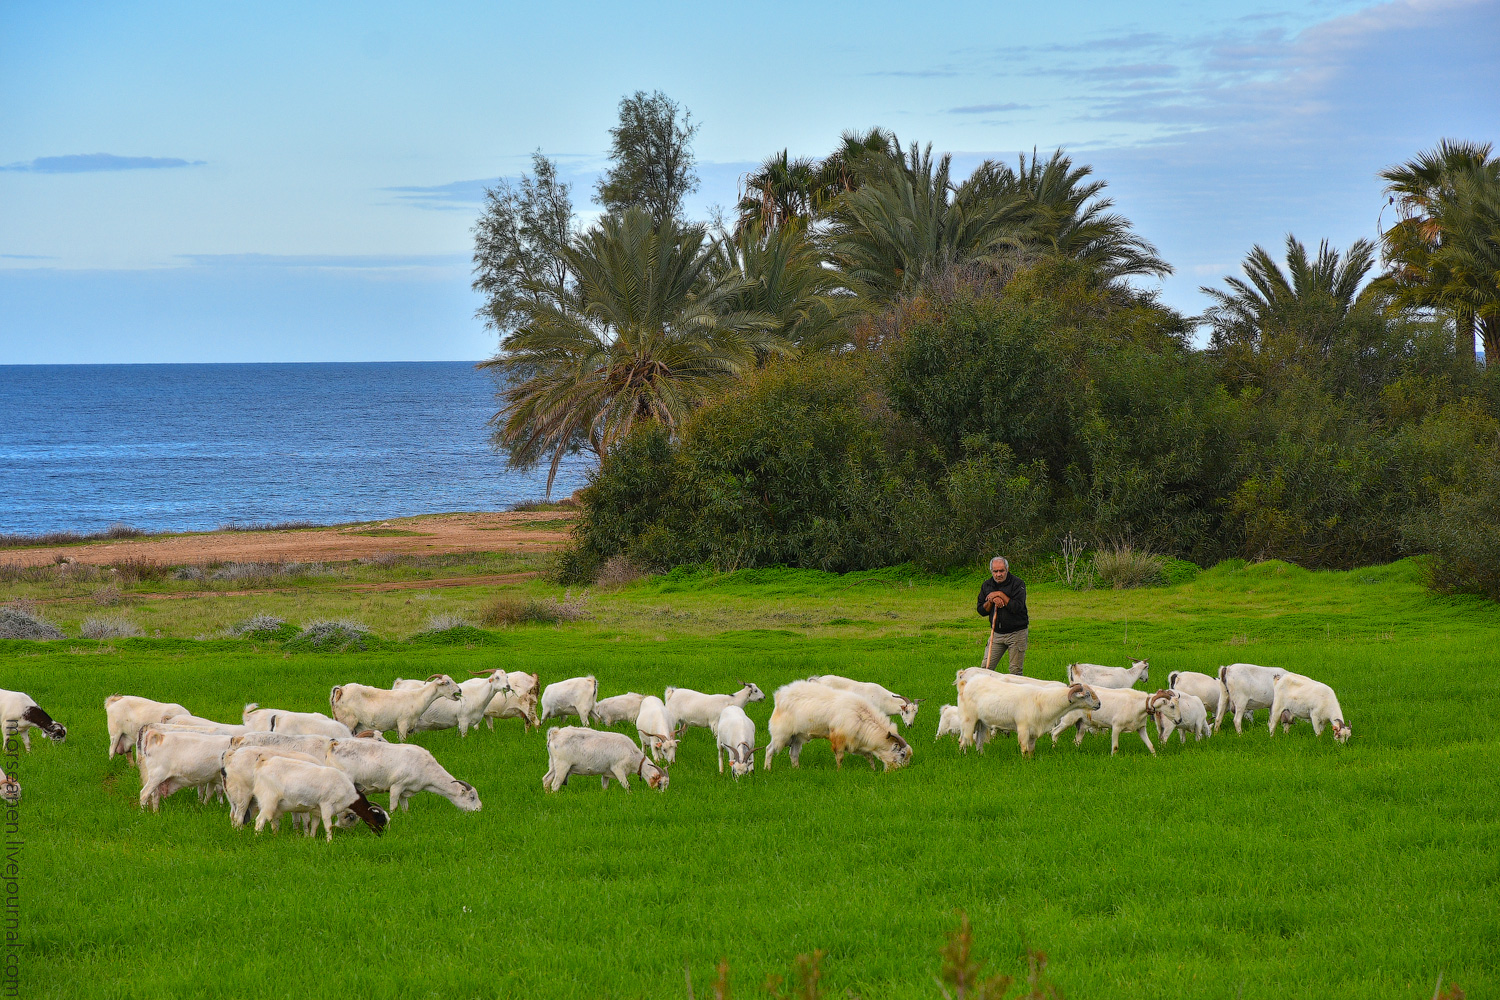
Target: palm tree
x: 1067, y: 219
x: 908, y: 221
x: 781, y: 190
x: 856, y: 157
x: 783, y: 277
x: 646, y: 333
x: 1439, y: 194
x: 1288, y: 311
x: 1469, y: 256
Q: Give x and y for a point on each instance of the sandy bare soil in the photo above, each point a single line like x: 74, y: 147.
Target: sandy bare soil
x: 432, y: 534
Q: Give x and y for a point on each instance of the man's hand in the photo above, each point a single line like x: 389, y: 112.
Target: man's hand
x: 998, y: 599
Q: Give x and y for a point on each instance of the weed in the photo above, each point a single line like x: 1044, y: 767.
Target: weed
x: 267, y: 525
x: 109, y: 628
x: 1068, y: 565
x: 963, y: 976
x: 259, y: 624
x: 618, y: 571
x: 343, y: 635
x: 446, y: 622
x: 133, y: 571
x: 807, y: 975
x: 522, y: 611
x: 114, y: 531
x: 107, y: 596
x: 1123, y: 566
x: 20, y: 620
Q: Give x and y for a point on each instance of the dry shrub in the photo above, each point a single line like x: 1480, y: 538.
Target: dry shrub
x: 11, y: 573
x: 21, y: 620
x: 267, y: 525
x: 116, y: 530
x: 529, y: 611
x: 109, y: 628
x: 1123, y: 566
x: 342, y: 634
x: 446, y: 622
x: 256, y: 623
x: 617, y: 571
x: 136, y: 570
x: 106, y: 596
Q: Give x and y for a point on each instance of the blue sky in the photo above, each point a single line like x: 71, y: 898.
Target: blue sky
x: 295, y: 182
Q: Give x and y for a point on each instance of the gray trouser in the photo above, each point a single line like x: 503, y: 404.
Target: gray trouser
x: 1013, y: 643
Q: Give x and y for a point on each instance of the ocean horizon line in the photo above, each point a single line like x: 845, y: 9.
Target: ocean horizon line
x: 219, y: 364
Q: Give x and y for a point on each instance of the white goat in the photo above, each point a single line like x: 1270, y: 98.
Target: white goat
x: 576, y: 750
x: 809, y: 711
x: 276, y: 720
x: 286, y: 785
x: 518, y: 703
x: 950, y: 721
x: 1098, y: 676
x: 237, y: 767
x: 654, y: 727
x: 886, y: 702
x: 574, y: 696
x: 734, y: 731
x: 463, y: 714
x: 620, y: 708
x: 1300, y: 697
x: 1201, y: 686
x: 694, y: 708
x: 360, y: 706
x: 1247, y: 687
x: 1121, y: 710
x: 172, y: 761
x: 1180, y: 711
x: 126, y: 714
x: 1028, y: 710
x: 19, y: 715
x: 403, y: 770
x: 203, y: 725
x: 10, y: 788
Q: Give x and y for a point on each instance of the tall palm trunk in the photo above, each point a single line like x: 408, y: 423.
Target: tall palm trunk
x: 1463, y: 324
x: 1489, y: 329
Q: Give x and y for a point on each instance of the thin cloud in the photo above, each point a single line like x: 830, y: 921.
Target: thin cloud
x: 921, y: 74
x: 26, y: 256
x: 87, y: 163
x: 452, y: 196
x: 986, y: 109
x: 326, y: 262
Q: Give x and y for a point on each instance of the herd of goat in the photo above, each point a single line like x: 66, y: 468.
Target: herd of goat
x: 320, y: 768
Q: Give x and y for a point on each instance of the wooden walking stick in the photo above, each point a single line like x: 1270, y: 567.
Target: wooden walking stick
x: 989, y: 650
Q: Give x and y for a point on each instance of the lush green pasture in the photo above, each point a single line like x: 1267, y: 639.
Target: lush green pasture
x: 1242, y: 866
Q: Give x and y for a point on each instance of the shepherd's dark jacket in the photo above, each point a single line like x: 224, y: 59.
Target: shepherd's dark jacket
x: 1012, y: 617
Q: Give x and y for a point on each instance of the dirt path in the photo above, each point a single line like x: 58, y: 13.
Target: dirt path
x: 432, y: 534
x: 481, y: 580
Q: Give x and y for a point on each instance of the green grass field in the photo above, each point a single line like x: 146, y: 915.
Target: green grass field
x: 1243, y: 866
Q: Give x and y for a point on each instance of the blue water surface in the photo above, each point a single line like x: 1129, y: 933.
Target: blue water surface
x: 188, y: 447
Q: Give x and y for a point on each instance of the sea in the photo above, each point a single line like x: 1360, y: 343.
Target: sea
x: 193, y: 447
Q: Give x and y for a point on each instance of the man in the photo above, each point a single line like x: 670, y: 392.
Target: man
x: 1002, y: 599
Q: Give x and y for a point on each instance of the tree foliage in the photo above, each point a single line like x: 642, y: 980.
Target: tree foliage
x: 652, y: 150
x: 519, y: 239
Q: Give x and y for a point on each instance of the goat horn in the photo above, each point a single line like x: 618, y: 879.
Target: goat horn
x: 435, y: 677
x: 483, y: 673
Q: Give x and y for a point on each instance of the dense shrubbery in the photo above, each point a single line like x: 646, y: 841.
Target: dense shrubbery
x: 998, y: 420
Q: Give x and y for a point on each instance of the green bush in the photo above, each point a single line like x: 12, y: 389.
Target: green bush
x: 1462, y: 531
